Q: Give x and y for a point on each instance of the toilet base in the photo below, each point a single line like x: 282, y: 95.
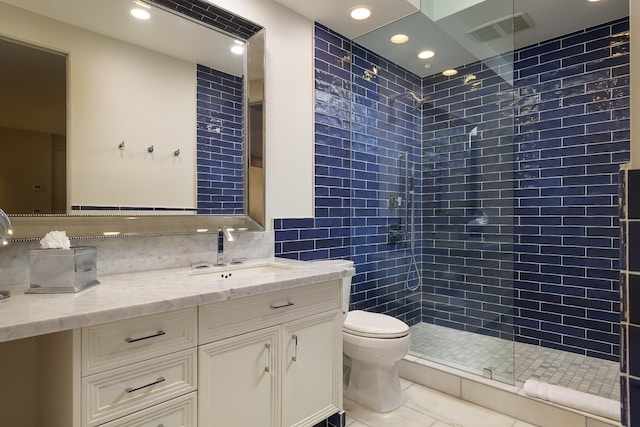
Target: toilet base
x: 375, y: 386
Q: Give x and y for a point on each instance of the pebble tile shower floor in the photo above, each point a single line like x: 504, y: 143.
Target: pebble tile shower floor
x: 474, y: 352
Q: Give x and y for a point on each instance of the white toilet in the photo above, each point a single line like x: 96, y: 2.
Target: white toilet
x: 373, y: 344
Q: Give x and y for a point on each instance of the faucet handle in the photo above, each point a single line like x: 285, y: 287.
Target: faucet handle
x: 238, y: 260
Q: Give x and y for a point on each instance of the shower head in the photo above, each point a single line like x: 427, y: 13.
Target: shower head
x: 419, y: 100
x: 419, y: 104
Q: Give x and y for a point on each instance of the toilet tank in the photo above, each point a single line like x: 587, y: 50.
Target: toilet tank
x: 346, y: 284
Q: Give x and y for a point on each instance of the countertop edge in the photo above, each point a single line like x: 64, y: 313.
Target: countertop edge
x: 52, y: 321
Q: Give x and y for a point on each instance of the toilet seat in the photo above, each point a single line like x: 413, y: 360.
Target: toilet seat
x: 374, y: 325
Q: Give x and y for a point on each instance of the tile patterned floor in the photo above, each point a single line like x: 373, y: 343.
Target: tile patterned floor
x: 442, y: 345
x: 429, y: 408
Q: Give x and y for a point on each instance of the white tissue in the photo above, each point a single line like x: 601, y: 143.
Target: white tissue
x: 55, y: 240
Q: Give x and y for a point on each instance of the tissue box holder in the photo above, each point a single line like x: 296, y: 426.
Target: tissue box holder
x: 62, y: 270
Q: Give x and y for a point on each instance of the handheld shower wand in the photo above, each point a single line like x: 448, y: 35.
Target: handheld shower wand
x: 410, y: 221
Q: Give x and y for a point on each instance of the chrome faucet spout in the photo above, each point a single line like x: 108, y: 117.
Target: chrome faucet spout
x: 224, y: 233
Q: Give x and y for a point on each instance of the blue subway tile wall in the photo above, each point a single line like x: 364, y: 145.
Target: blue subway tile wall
x: 468, y: 195
x: 386, y: 162
x: 131, y: 208
x: 367, y: 137
x: 211, y: 15
x: 220, y: 148
x: 571, y: 135
x: 328, y: 234
x: 515, y: 172
x: 542, y: 172
x: 629, y: 213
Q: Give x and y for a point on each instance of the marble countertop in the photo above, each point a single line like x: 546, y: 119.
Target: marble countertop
x: 121, y: 296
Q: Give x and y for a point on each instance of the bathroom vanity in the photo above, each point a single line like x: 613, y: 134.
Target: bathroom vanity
x: 253, y: 345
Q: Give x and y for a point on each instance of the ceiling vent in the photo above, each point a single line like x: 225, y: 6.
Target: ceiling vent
x: 501, y: 27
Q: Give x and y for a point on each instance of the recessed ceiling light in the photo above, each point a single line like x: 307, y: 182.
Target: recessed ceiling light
x: 426, y: 54
x: 140, y: 14
x: 449, y: 73
x: 399, y: 38
x: 360, y: 13
x: 141, y: 4
x: 237, y: 49
x: 593, y: 1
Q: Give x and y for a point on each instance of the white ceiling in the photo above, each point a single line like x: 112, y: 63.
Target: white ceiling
x: 447, y: 35
x: 164, y: 32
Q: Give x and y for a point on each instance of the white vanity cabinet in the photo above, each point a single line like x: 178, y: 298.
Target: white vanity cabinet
x: 239, y: 380
x: 271, y: 359
x: 135, y: 364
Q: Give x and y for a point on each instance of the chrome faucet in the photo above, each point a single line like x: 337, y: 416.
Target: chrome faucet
x: 224, y: 233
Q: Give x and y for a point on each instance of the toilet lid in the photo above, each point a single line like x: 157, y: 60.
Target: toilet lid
x: 374, y: 325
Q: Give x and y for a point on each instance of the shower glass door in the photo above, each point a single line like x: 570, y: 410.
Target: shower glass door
x: 432, y: 143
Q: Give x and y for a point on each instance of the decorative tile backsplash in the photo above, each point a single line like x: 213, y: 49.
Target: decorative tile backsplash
x: 149, y: 253
x: 516, y: 187
x: 130, y: 208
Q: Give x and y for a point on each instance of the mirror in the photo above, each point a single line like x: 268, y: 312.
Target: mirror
x: 161, y: 119
x: 6, y: 231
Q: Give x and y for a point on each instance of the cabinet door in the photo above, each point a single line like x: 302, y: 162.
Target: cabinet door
x: 239, y: 381
x: 311, y: 365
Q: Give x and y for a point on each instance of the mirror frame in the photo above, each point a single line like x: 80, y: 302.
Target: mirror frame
x: 34, y: 227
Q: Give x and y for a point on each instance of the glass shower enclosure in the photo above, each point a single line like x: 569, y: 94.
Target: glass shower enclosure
x: 432, y: 195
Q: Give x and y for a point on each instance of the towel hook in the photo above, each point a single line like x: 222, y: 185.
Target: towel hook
x: 150, y: 149
x: 177, y: 152
x: 121, y: 145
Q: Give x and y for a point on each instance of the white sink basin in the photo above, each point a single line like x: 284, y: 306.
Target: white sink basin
x: 240, y: 271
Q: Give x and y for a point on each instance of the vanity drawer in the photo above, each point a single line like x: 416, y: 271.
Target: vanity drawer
x: 120, y: 343
x: 123, y: 391
x: 225, y: 319
x: 181, y: 411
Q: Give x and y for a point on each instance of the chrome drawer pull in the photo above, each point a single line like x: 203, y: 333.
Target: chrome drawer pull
x: 295, y: 351
x: 157, y: 334
x: 158, y: 381
x: 275, y: 307
x: 268, y: 367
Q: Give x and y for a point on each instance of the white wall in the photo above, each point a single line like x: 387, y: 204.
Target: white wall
x: 119, y: 92
x: 289, y: 105
x: 142, y: 98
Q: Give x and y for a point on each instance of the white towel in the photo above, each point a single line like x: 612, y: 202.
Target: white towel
x: 573, y: 398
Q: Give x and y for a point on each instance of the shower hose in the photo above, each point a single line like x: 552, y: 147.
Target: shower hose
x: 413, y: 265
